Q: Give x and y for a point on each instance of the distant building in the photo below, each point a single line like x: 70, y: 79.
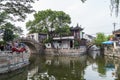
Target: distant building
x: 69, y: 40
x: 66, y: 41
x: 77, y: 32
x: 88, y: 37
x: 39, y: 37
x: 116, y: 34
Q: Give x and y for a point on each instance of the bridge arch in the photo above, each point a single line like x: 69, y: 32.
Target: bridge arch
x: 34, y: 46
x: 31, y: 47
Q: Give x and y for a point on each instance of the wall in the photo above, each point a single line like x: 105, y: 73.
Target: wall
x: 65, y: 51
x: 34, y: 36
x: 56, y: 44
x: 48, y: 45
x: 65, y: 44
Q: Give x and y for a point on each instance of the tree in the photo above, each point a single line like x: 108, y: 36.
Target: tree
x: 8, y: 35
x: 17, y: 8
x: 115, y: 6
x: 10, y: 31
x: 6, y: 24
x: 110, y: 37
x: 65, y: 30
x: 83, y: 1
x: 100, y: 38
x: 3, y: 18
x: 47, y: 20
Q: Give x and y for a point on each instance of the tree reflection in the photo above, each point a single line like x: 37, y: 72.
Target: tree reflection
x: 20, y: 74
x: 101, y: 65
x: 68, y: 68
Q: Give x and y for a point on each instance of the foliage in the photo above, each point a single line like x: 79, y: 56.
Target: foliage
x: 16, y: 30
x: 8, y: 28
x: 3, y: 17
x: 16, y: 36
x: 100, y: 61
x: 100, y: 38
x: 18, y: 8
x: 49, y: 40
x: 8, y: 35
x: 2, y: 42
x: 47, y: 20
x: 65, y: 30
x: 83, y: 1
x: 76, y: 44
x: 110, y: 37
x: 5, y: 24
x: 115, y: 6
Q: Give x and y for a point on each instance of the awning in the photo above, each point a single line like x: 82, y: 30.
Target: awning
x: 107, y: 42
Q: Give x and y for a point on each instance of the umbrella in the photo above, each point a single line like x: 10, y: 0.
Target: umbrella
x: 107, y: 42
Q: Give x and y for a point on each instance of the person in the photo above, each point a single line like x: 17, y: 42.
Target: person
x: 16, y: 44
x: 2, y: 47
x: 20, y: 47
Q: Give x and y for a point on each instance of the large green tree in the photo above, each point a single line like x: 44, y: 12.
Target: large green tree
x: 47, y: 20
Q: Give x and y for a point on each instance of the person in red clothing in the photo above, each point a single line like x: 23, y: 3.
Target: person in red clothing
x: 19, y: 48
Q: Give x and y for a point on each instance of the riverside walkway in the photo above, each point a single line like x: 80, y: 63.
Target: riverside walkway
x: 12, y: 61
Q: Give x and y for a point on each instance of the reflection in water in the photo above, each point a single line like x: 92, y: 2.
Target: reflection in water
x: 92, y: 67
x: 20, y: 74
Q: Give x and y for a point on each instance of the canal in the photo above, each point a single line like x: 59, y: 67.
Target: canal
x: 85, y: 67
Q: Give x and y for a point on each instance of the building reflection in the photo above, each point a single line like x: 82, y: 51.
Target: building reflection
x: 76, y: 68
x: 68, y: 68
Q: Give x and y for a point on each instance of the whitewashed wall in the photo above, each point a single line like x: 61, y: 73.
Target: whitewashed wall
x: 48, y: 45
x: 65, y: 44
x: 34, y: 36
x: 56, y: 45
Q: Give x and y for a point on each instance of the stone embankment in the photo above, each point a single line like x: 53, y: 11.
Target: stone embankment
x: 112, y: 52
x: 12, y: 61
x: 69, y: 52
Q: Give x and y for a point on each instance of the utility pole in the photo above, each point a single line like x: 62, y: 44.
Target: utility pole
x: 114, y: 25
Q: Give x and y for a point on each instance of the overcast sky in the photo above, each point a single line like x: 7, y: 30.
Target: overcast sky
x: 93, y: 15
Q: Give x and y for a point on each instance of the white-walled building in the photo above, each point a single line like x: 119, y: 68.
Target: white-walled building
x: 39, y: 37
x: 33, y: 36
x: 88, y: 37
x: 66, y: 41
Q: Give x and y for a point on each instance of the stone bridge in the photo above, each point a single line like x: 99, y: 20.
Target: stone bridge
x: 89, y: 45
x: 33, y: 45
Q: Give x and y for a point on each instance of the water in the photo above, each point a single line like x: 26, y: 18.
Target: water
x: 92, y: 67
